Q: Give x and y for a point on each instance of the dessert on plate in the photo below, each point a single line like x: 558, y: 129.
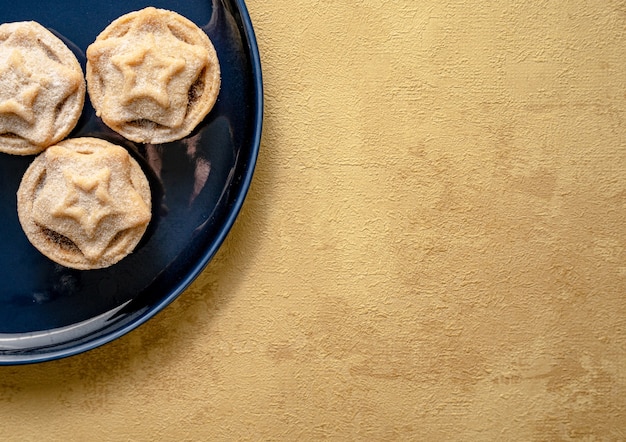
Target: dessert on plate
x: 42, y: 89
x: 152, y: 75
x: 84, y: 203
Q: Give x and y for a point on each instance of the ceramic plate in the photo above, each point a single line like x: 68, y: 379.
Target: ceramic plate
x: 199, y: 183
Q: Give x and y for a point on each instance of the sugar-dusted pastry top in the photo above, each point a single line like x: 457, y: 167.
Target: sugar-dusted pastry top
x: 84, y: 203
x: 42, y: 89
x: 152, y: 75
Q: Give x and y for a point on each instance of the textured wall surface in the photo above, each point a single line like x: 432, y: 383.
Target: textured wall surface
x: 433, y: 248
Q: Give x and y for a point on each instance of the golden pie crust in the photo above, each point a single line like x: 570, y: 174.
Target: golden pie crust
x: 152, y: 75
x: 42, y: 89
x: 84, y: 203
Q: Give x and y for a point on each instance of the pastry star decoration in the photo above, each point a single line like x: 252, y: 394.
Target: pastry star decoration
x: 98, y: 206
x: 22, y: 86
x: 87, y: 199
x: 147, y: 72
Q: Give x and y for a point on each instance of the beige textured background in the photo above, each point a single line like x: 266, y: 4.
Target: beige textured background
x: 433, y: 247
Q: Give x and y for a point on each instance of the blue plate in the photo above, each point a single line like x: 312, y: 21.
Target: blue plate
x: 199, y: 183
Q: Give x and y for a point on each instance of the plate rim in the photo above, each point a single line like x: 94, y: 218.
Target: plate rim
x: 232, y: 214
